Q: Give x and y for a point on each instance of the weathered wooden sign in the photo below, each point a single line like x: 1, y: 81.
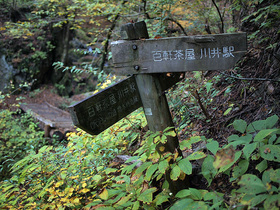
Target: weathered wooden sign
x: 178, y: 54
x: 100, y: 111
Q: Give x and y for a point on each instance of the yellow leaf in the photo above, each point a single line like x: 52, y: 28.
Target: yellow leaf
x: 84, y: 190
x: 84, y: 185
x: 104, y: 194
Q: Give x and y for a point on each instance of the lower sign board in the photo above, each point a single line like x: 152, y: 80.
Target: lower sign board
x: 178, y: 54
x: 107, y: 107
x: 98, y: 112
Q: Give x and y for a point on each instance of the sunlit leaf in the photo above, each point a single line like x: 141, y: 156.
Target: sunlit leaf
x: 175, y: 173
x: 185, y: 166
x: 104, y: 194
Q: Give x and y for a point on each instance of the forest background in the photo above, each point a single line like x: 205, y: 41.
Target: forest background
x: 227, y: 122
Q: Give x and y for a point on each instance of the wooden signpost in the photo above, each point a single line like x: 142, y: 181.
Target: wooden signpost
x: 149, y: 61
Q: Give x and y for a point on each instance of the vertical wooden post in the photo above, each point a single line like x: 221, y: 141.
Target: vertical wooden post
x: 155, y: 103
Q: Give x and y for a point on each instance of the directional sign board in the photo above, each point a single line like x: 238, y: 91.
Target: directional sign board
x: 179, y: 54
x: 107, y: 107
x: 100, y: 111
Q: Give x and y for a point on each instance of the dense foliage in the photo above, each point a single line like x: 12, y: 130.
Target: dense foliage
x: 235, y: 171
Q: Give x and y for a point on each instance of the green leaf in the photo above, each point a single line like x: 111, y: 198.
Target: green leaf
x: 147, y: 195
x: 256, y: 126
x: 251, y: 184
x: 240, y: 125
x: 63, y: 174
x: 264, y: 133
x: 163, y: 165
x: 183, y: 193
x: 248, y: 149
x: 143, y: 167
x: 258, y: 199
x: 271, y: 121
x: 272, y: 202
x: 275, y: 176
x: 270, y: 152
x: 161, y: 198
x: 175, y: 173
x: 150, y: 171
x: 136, y: 205
x: 182, y: 204
x: 262, y: 166
x: 198, y: 205
x: 213, y: 147
x: 196, y: 155
x: 240, y: 169
x: 208, y: 170
x: 195, y: 194
x: 185, y: 166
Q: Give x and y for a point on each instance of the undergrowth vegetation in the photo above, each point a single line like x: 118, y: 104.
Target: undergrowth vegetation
x: 84, y: 174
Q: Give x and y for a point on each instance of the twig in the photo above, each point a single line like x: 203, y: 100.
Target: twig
x: 221, y: 18
x: 178, y: 24
x: 197, y: 96
x: 251, y: 79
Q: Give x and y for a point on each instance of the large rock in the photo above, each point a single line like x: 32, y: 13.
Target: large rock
x: 6, y: 73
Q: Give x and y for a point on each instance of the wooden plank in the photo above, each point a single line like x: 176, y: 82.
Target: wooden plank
x: 98, y: 112
x: 48, y: 115
x: 178, y: 54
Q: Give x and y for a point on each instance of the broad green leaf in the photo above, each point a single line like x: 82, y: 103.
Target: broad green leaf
x: 208, y: 170
x: 198, y: 205
x: 143, y: 167
x: 182, y: 204
x: 183, y: 193
x: 161, y: 198
x: 175, y: 173
x: 150, y: 171
x: 266, y: 176
x: 256, y: 126
x: 251, y: 184
x: 124, y: 201
x: 195, y: 139
x: 185, y: 166
x: 195, y: 194
x: 147, y: 195
x: 271, y: 121
x: 240, y: 169
x: 163, y: 165
x: 270, y: 152
x: 272, y: 202
x: 258, y: 199
x: 185, y: 144
x: 275, y: 176
x: 136, y: 205
x: 262, y: 166
x: 240, y: 125
x: 248, y: 149
x: 196, y: 155
x: 264, y: 133
x: 213, y: 147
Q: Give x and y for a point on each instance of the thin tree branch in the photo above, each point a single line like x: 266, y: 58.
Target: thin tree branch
x: 221, y: 18
x: 251, y: 79
x: 178, y: 24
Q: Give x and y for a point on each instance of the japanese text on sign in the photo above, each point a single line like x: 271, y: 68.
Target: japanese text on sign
x: 190, y: 54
